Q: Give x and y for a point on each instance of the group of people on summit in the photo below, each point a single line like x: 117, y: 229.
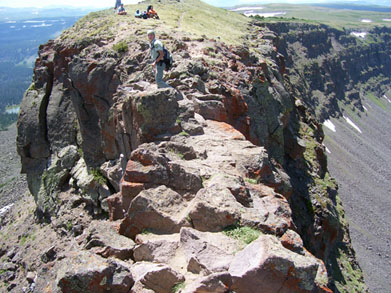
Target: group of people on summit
x: 160, y: 56
x: 149, y: 13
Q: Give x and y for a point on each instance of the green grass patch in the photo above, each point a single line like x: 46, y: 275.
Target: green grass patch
x: 376, y: 100
x: 251, y: 180
x: 244, y: 234
x: 178, y: 287
x: 121, y: 47
x: 98, y: 176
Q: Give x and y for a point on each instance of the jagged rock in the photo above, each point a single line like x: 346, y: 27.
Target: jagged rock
x: 160, y: 210
x: 214, y: 283
x: 85, y: 272
x: 236, y: 185
x: 158, y: 278
x: 49, y: 255
x: 112, y: 170
x: 213, y: 209
x: 207, y: 252
x: 211, y: 109
x: 54, y: 178
x: 266, y: 264
x: 155, y: 113
x: 30, y: 277
x: 102, y: 238
x: 156, y: 249
x: 292, y: 241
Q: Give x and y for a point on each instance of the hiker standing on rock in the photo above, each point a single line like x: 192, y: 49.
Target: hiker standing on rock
x: 157, y: 56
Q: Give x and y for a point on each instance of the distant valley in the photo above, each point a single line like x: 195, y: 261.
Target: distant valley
x: 21, y: 33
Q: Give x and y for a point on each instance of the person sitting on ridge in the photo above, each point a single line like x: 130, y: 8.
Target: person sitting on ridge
x: 138, y: 14
x: 152, y: 13
x: 157, y: 57
x: 121, y: 10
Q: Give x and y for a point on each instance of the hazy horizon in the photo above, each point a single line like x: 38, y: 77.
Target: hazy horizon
x: 220, y: 3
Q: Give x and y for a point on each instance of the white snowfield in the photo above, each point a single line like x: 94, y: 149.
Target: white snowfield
x: 366, y: 20
x: 384, y: 96
x: 327, y: 150
x: 5, y: 209
x: 359, y: 34
x: 365, y: 108
x: 330, y: 125
x: 386, y: 19
x: 248, y: 8
x: 266, y: 14
x: 352, y: 123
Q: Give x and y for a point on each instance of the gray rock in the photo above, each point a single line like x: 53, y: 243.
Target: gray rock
x: 266, y: 264
x: 214, y: 283
x: 85, y: 272
x: 102, y: 238
x: 155, y: 209
x: 207, y: 252
x: 156, y: 277
x: 156, y: 249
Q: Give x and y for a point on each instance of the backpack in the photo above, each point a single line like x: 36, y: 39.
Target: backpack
x: 167, y: 59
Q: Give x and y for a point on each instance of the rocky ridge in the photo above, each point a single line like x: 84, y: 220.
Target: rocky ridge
x: 332, y: 70
x: 177, y: 170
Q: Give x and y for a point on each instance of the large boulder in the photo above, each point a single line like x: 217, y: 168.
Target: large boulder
x: 158, y: 278
x: 266, y: 264
x: 160, y: 210
x: 155, y: 113
x: 85, y: 272
x: 103, y: 239
x: 207, y: 252
x: 156, y: 248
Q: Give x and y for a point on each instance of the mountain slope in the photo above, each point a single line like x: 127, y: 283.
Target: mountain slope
x: 230, y: 157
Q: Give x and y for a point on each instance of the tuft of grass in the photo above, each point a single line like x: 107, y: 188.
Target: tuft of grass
x: 244, y: 234
x: 376, y: 100
x: 121, y: 47
x: 184, y: 133
x: 98, y: 176
x: 177, y: 287
x: 251, y: 180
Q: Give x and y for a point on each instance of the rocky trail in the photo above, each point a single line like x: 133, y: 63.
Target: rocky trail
x: 218, y: 184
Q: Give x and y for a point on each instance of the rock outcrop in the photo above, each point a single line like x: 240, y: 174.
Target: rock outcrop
x: 175, y: 169
x: 333, y: 70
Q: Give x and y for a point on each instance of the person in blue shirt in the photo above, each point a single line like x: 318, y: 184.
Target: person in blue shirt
x: 157, y: 57
x: 121, y: 10
x: 138, y: 14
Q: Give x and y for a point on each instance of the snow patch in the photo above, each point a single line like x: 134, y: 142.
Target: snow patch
x: 365, y: 108
x: 352, y: 123
x: 248, y: 8
x: 386, y: 19
x: 5, y: 209
x: 359, y: 34
x: 330, y: 125
x: 366, y: 20
x: 384, y: 96
x: 266, y: 14
x: 327, y: 150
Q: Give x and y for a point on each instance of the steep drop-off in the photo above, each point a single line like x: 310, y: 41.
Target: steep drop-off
x: 344, y: 78
x: 198, y: 180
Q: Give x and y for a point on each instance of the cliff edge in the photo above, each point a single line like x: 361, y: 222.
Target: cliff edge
x: 218, y: 184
